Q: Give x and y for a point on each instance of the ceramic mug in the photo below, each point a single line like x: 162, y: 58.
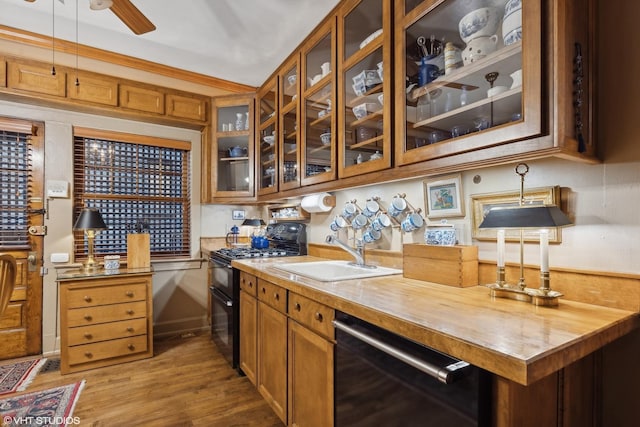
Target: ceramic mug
x: 371, y: 235
x: 371, y: 208
x: 397, y: 206
x: 338, y: 223
x: 381, y: 221
x: 412, y: 222
x: 349, y: 210
x: 478, y: 48
x: 359, y: 221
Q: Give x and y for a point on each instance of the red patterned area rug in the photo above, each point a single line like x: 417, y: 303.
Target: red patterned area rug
x: 52, y: 407
x: 17, y: 376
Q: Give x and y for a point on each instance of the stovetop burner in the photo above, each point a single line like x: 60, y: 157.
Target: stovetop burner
x: 237, y: 253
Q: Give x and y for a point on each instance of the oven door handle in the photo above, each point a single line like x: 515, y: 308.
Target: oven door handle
x: 221, y: 297
x: 444, y: 374
x: 220, y: 263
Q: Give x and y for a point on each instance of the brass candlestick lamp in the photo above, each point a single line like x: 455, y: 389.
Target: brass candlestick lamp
x: 90, y: 221
x: 521, y: 217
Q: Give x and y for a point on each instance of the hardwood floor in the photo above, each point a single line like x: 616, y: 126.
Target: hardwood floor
x: 186, y: 383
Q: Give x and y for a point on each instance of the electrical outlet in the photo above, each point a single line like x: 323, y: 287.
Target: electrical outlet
x: 57, y: 189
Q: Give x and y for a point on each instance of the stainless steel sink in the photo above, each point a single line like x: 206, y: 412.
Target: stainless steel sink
x: 330, y: 271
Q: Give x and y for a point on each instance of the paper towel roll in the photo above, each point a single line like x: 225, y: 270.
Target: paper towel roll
x: 321, y: 202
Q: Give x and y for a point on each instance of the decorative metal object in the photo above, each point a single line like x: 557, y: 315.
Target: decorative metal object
x: 520, y: 217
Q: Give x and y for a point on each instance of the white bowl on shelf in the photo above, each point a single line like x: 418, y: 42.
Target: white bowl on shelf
x: 269, y: 139
x: 325, y: 138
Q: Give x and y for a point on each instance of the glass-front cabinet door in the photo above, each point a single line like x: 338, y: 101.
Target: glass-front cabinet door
x: 232, y: 149
x: 289, y: 137
x: 318, y: 96
x: 267, y: 147
x: 364, y: 85
x: 468, y: 75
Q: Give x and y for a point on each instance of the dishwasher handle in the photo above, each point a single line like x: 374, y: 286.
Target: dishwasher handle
x: 444, y: 374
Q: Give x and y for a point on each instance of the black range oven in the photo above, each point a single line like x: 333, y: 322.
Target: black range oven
x: 285, y: 239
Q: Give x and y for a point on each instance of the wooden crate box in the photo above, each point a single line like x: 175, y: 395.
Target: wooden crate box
x: 447, y: 265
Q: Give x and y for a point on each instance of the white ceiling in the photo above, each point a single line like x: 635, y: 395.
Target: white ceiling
x: 238, y: 40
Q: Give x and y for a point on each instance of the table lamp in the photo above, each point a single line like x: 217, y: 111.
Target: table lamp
x: 90, y: 221
x: 525, y: 216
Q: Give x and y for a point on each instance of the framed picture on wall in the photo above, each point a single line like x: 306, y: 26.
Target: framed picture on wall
x: 482, y: 204
x: 237, y: 214
x: 443, y: 197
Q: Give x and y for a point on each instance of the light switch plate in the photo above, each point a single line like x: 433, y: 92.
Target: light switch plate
x: 60, y: 257
x: 57, y: 189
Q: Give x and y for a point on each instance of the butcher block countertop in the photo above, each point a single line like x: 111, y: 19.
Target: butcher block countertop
x: 518, y: 341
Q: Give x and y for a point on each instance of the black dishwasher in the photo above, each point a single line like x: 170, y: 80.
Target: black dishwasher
x: 383, y: 379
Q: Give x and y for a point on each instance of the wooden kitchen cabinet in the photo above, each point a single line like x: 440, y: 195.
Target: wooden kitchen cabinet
x: 365, y: 39
x: 35, y: 77
x: 229, y: 159
x: 318, y: 124
x: 145, y: 99
x: 248, y: 326
x: 105, y: 319
x: 272, y: 346
x: 289, y: 141
x: 310, y: 360
x: 455, y: 118
x: 94, y: 88
x: 267, y: 138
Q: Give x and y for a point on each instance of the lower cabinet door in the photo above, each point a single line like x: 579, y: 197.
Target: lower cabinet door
x: 272, y: 358
x: 310, y: 378
x: 248, y: 335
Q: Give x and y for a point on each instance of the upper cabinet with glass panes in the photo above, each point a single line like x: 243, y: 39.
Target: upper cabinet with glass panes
x: 487, y: 77
x: 364, y: 86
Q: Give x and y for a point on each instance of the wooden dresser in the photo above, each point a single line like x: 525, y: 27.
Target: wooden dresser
x: 106, y: 318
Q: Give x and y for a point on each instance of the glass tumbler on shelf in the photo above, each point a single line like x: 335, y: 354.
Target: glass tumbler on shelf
x: 240, y: 121
x: 423, y: 109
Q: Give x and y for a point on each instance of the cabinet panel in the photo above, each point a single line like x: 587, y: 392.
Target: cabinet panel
x: 107, y: 331
x: 36, y: 78
x: 186, y: 107
x: 105, y: 350
x: 94, y: 88
x: 288, y: 122
x: 273, y: 295
x: 248, y: 335
x: 364, y: 122
x: 267, y: 138
x: 248, y: 283
x: 3, y: 72
x: 313, y: 315
x: 142, y: 99
x: 106, y: 313
x: 310, y: 378
x: 318, y: 122
x: 272, y: 358
x: 93, y: 296
x: 231, y: 169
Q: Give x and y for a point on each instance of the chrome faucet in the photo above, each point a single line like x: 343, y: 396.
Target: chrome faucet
x: 357, y: 253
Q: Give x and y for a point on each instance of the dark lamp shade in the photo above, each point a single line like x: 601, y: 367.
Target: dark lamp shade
x: 90, y: 219
x: 255, y: 222
x: 529, y: 216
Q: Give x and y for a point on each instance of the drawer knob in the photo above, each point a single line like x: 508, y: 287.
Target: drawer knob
x: 131, y: 347
x: 318, y: 316
x: 276, y: 296
x: 88, y: 336
x: 297, y: 306
x: 251, y: 284
x: 264, y: 291
x: 129, y: 294
x: 87, y: 298
x: 88, y: 355
x: 88, y: 318
x: 129, y: 312
x: 129, y: 329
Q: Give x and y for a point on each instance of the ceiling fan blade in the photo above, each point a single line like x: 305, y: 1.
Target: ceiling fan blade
x: 131, y: 16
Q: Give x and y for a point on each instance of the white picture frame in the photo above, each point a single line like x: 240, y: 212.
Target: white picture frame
x: 444, y: 197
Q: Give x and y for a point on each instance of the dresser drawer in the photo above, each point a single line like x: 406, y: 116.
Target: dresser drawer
x: 113, y: 294
x: 106, y: 331
x: 248, y: 283
x: 106, y: 313
x: 273, y: 295
x: 107, y: 349
x: 313, y: 315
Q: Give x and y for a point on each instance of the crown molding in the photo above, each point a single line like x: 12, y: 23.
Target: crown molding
x: 39, y: 40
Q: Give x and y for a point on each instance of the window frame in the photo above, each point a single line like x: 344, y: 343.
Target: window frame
x: 80, y: 196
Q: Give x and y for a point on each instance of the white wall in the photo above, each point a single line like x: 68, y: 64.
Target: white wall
x: 179, y: 289
x: 603, y: 201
